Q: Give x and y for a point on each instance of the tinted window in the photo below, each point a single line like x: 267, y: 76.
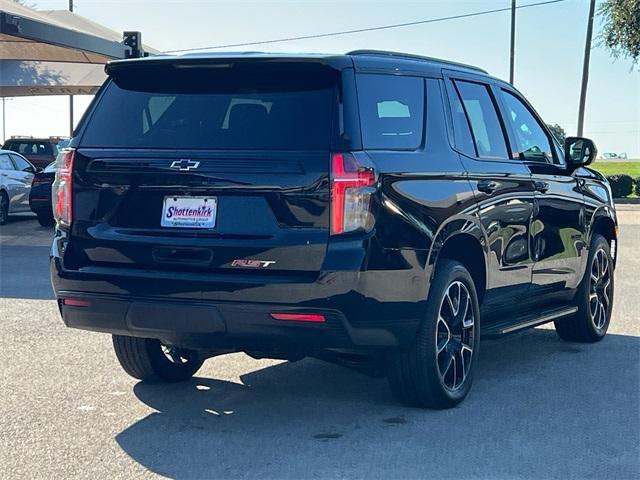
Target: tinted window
x: 21, y: 164
x: 483, y: 119
x: 31, y: 148
x: 533, y: 142
x: 462, y: 134
x: 245, y: 107
x: 5, y: 162
x: 391, y: 111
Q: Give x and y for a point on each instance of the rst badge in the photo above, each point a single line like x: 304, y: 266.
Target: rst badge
x: 241, y: 262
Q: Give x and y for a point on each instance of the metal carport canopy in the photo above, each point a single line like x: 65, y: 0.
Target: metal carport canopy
x: 53, y: 52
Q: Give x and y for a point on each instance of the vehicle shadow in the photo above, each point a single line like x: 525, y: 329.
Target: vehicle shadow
x: 540, y: 408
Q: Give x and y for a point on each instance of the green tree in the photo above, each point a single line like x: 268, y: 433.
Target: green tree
x: 557, y: 132
x: 621, y: 28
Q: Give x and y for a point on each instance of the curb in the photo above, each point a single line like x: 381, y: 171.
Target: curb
x: 626, y: 201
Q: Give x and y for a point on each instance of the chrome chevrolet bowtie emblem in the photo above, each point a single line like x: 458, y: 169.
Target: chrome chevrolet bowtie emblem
x: 185, y: 164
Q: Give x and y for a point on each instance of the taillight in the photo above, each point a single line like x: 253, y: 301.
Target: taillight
x: 62, y: 188
x: 351, y: 189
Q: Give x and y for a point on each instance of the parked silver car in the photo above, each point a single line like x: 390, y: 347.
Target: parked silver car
x: 16, y: 175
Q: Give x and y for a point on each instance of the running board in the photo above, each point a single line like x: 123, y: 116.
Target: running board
x: 502, y: 328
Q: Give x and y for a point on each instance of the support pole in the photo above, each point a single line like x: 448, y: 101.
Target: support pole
x: 585, y: 68
x: 4, y: 120
x: 71, y: 122
x: 512, y: 56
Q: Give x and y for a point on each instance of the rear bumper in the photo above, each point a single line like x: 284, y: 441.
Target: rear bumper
x: 362, y: 310
x: 40, y: 198
x: 209, y: 325
x: 40, y: 205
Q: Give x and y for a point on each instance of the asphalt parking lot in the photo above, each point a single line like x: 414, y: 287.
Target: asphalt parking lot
x: 540, y: 408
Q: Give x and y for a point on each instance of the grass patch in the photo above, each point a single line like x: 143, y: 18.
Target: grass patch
x: 617, y: 168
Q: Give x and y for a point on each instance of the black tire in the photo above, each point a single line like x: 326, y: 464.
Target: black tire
x: 4, y: 208
x: 46, y: 219
x: 415, y: 374
x: 144, y: 359
x: 585, y: 325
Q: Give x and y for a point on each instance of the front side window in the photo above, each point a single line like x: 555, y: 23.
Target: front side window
x: 532, y: 141
x: 21, y: 164
x: 391, y: 111
x: 483, y: 120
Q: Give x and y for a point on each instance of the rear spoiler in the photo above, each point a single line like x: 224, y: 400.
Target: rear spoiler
x: 338, y: 62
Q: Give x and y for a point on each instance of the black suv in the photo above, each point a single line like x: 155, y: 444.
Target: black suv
x: 374, y: 209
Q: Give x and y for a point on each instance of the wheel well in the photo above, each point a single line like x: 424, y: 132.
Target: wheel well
x: 467, y: 250
x: 605, y: 227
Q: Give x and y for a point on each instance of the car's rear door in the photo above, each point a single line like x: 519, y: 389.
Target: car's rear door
x: 502, y: 187
x: 247, y: 144
x: 7, y: 179
x: 24, y: 173
x: 558, y: 234
x: 16, y: 184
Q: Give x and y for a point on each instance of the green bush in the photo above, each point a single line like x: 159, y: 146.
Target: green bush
x: 621, y: 185
x: 637, y: 189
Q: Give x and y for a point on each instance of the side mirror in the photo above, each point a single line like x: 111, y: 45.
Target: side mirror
x: 579, y: 151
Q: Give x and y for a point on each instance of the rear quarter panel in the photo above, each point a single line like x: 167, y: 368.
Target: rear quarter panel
x: 424, y: 199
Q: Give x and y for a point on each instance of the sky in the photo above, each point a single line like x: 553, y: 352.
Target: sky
x: 549, y: 50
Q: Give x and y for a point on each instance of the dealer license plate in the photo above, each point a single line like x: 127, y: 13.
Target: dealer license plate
x: 189, y: 212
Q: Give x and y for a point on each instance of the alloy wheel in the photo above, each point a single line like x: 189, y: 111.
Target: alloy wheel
x: 600, y: 289
x: 455, y: 335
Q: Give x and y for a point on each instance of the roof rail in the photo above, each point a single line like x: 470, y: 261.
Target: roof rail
x: 411, y: 56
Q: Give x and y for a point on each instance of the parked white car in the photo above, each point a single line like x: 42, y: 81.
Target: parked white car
x: 16, y: 175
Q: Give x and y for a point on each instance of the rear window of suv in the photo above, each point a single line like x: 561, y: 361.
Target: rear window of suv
x: 241, y: 106
x: 31, y: 147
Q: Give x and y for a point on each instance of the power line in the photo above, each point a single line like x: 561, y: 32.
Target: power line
x: 369, y: 29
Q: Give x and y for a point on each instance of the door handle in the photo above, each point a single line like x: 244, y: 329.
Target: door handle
x: 540, y: 186
x: 487, y: 186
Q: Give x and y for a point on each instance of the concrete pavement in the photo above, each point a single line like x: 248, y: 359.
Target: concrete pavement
x: 539, y: 408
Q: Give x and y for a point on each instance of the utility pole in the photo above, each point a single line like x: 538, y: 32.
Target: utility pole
x: 513, y: 41
x: 71, y: 122
x: 585, y: 67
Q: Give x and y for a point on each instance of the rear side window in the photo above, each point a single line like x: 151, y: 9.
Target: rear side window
x: 461, y: 129
x: 242, y: 106
x: 482, y: 117
x: 391, y: 111
x: 533, y: 142
x: 5, y: 162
